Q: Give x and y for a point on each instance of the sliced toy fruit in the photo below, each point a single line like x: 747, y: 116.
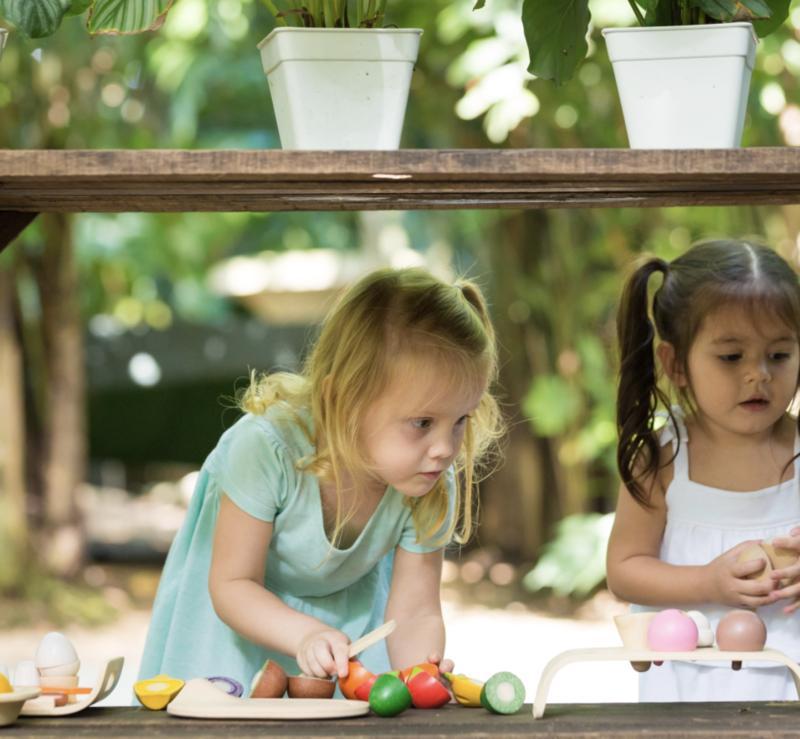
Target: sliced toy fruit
x: 426, y: 690
x: 503, y: 692
x: 428, y: 667
x: 389, y: 696
x: 356, y: 675
x: 156, y: 692
x: 466, y: 691
x: 269, y: 682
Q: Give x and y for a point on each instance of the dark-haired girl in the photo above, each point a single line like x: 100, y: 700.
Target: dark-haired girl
x: 708, y: 454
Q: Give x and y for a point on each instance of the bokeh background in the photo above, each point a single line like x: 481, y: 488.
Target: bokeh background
x: 124, y: 337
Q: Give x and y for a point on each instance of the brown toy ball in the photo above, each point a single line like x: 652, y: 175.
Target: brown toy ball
x: 757, y: 551
x: 306, y: 686
x: 780, y: 558
x: 269, y: 682
x: 741, y: 631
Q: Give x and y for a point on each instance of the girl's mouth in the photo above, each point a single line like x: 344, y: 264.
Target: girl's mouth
x: 755, y: 404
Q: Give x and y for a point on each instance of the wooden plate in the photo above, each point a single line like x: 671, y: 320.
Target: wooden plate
x: 200, y: 699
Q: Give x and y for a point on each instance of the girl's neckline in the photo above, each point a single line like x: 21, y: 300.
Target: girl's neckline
x: 683, y: 432
x: 361, y: 534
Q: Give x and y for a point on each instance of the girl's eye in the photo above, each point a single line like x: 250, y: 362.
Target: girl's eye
x: 421, y: 423
x: 779, y: 356
x: 730, y: 357
x: 461, y: 421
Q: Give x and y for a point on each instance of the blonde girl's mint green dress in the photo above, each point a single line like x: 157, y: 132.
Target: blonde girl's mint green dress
x: 254, y: 464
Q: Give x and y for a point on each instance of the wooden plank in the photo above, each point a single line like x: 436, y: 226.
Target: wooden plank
x: 12, y: 224
x: 706, y: 720
x: 259, y: 180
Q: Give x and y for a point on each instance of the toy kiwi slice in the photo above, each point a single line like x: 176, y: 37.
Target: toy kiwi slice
x: 503, y: 692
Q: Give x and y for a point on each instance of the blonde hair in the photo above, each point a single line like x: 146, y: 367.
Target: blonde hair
x: 388, y: 314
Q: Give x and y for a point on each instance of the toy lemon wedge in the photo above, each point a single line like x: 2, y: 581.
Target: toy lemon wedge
x: 156, y: 692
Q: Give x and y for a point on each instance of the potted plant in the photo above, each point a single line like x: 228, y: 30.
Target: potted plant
x: 683, y: 75
x: 337, y: 77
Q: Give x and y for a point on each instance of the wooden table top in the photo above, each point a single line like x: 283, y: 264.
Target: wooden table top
x: 617, y: 720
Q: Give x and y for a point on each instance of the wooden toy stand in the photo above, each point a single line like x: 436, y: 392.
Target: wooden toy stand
x: 608, y: 654
x: 109, y: 676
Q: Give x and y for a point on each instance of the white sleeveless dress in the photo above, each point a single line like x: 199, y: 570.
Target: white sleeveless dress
x: 702, y: 523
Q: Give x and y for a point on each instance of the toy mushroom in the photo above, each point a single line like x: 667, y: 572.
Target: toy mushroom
x: 705, y: 636
x: 741, y: 631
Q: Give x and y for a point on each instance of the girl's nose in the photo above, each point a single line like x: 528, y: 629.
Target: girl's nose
x: 442, y: 448
x: 758, y: 373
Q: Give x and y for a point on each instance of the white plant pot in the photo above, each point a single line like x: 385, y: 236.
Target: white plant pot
x: 340, y: 88
x: 683, y: 87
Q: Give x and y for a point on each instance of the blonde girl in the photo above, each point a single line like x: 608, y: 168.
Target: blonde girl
x: 325, y: 509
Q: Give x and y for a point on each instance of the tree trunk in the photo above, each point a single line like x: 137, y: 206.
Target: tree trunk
x: 516, y: 508
x: 64, y: 421
x: 13, y: 514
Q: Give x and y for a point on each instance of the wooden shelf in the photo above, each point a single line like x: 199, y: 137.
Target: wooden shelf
x: 34, y: 181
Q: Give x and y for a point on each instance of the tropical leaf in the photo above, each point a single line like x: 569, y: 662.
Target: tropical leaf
x: 79, y: 7
x: 127, y: 16
x: 35, y: 18
x: 780, y: 12
x: 556, y: 34
x: 721, y: 10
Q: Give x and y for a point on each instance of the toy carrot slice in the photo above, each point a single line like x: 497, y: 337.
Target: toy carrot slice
x: 66, y: 691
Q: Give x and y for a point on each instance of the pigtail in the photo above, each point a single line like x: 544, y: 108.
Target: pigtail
x: 638, y: 393
x: 473, y: 296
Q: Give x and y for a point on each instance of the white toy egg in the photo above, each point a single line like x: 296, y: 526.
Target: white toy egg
x: 26, y: 675
x: 705, y: 636
x: 56, y: 656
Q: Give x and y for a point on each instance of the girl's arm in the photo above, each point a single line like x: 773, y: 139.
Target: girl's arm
x: 414, y: 602
x: 236, y: 585
x: 636, y: 574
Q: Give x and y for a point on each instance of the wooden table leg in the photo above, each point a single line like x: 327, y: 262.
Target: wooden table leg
x: 12, y: 224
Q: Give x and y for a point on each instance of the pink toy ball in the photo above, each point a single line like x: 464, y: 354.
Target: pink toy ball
x: 672, y: 631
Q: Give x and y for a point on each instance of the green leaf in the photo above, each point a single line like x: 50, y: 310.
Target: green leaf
x: 721, y: 10
x: 79, y: 7
x: 35, y: 18
x: 552, y: 404
x: 780, y: 12
x: 659, y: 12
x: 556, y: 34
x: 753, y: 9
x: 479, y: 4
x: 127, y: 16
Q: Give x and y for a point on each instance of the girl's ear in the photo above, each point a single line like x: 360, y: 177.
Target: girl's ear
x: 666, y: 355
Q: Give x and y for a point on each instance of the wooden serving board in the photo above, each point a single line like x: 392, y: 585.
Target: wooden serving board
x: 109, y: 677
x: 200, y: 699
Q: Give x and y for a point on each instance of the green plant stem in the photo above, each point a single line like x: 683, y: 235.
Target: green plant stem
x: 636, y: 11
x: 271, y: 7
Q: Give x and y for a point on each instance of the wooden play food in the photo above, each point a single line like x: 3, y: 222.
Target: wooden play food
x: 426, y: 690
x: 362, y: 691
x: 270, y: 681
x: 672, y: 631
x: 56, y: 657
x: 466, y: 691
x: 741, y: 631
x: 774, y: 558
x: 389, y: 696
x: 503, y: 692
x: 227, y: 685
x: 306, y: 686
x: 156, y: 692
x: 705, y: 636
x: 632, y: 629
x: 428, y: 667
x: 356, y: 675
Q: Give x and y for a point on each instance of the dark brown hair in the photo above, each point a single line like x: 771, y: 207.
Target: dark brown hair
x: 708, y: 276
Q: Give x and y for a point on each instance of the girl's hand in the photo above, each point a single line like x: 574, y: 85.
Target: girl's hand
x: 444, y: 665
x: 728, y: 583
x: 790, y: 573
x: 324, y: 653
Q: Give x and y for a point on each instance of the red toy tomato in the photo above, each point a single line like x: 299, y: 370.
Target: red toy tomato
x: 429, y: 667
x: 357, y: 675
x: 426, y: 691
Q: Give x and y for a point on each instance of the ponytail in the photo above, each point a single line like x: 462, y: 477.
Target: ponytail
x: 638, y: 394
